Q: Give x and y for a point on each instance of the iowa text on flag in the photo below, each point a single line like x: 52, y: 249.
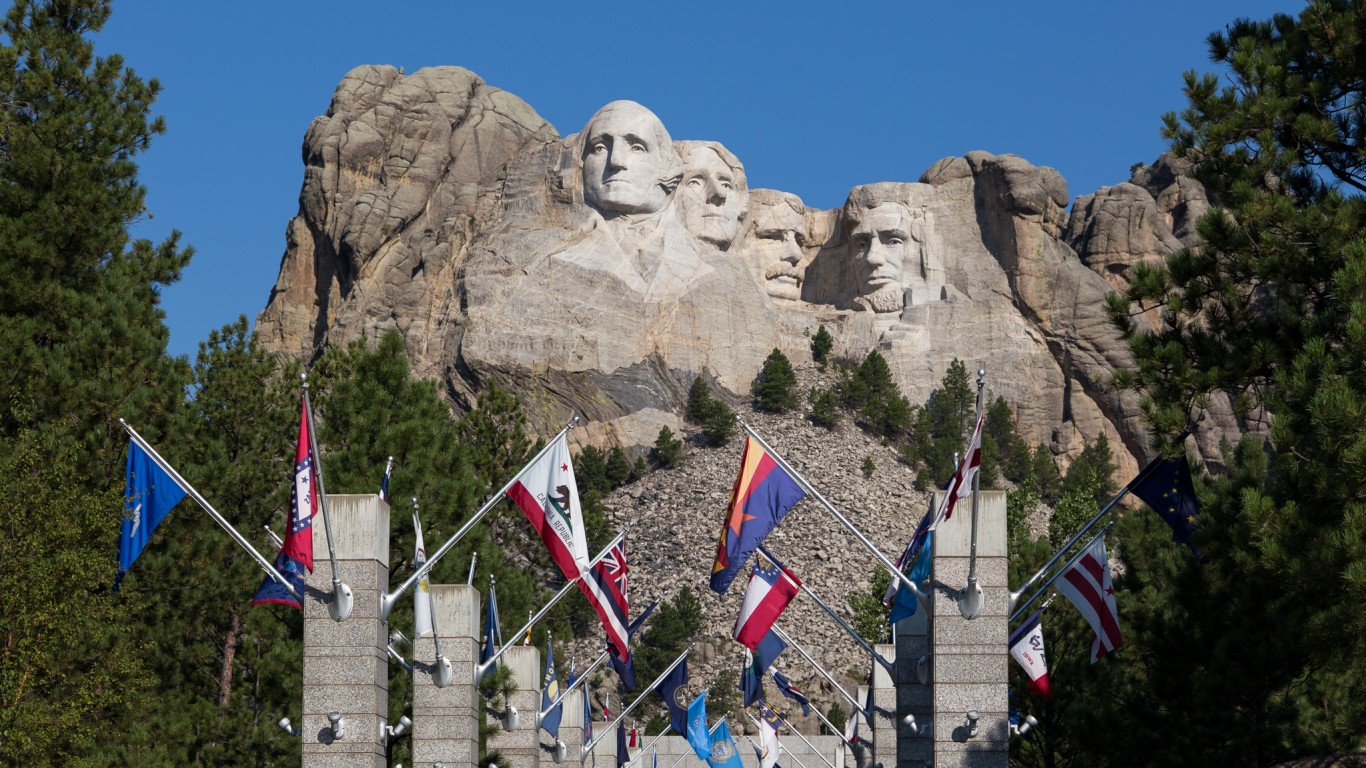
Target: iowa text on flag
x: 148, y: 495
x: 961, y: 483
x: 771, y: 588
x: 1165, y: 485
x: 548, y: 496
x: 1087, y: 585
x: 762, y: 495
x: 604, y: 586
x: 296, y: 555
x: 1026, y: 647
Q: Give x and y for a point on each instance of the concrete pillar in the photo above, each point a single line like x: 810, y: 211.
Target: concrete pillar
x: 446, y: 720
x: 571, y: 729
x: 346, y: 664
x: 521, y: 746
x: 913, y: 696
x: 883, y: 730
x: 970, y: 657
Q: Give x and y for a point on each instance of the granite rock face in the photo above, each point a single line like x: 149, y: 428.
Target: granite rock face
x: 601, y: 272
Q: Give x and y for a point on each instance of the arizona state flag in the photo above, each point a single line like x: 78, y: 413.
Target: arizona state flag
x: 762, y: 496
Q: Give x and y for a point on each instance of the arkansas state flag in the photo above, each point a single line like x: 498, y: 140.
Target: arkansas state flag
x: 549, y: 497
x: 1026, y: 647
x: 1087, y: 585
x: 296, y: 555
x: 771, y: 588
x: 762, y: 496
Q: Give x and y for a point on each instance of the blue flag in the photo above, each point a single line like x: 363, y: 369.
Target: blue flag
x: 768, y: 651
x: 724, y: 753
x: 671, y: 688
x: 762, y: 496
x: 905, y: 603
x: 626, y: 670
x: 587, y: 717
x: 698, y: 736
x: 751, y: 680
x: 791, y: 691
x: 550, y: 688
x: 623, y: 753
x: 491, y: 629
x: 148, y: 494
x: 1165, y: 485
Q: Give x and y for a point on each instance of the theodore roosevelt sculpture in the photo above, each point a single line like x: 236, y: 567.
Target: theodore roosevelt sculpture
x: 774, y: 243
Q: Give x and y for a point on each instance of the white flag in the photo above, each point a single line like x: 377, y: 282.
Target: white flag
x: 422, y: 596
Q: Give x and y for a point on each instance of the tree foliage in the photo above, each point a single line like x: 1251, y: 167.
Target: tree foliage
x: 775, y: 388
x: 872, y: 393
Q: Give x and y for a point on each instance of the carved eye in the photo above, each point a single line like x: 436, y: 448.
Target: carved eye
x: 694, y: 182
x: 598, y: 148
x: 895, y: 241
x: 726, y: 185
x: 637, y: 146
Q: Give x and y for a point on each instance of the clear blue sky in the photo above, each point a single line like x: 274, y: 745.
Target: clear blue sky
x: 813, y: 98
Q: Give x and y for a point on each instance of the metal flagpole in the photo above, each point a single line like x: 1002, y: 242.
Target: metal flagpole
x: 645, y: 748
x: 444, y: 671
x: 798, y: 734
x: 386, y: 603
x: 810, y: 489
x: 576, y: 683
x: 589, y: 747
x: 388, y: 471
x: 970, y: 596
x: 342, y: 603
x: 788, y: 639
x: 1109, y: 505
x: 213, y: 513
x: 1061, y: 571
x: 887, y: 665
x: 474, y: 558
x: 531, y: 621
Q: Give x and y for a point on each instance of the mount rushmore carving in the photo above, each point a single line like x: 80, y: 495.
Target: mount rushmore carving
x: 601, y: 272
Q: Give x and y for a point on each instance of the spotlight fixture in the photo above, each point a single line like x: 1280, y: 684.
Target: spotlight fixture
x: 287, y: 727
x: 338, y: 725
x: 510, y: 719
x: 916, y: 728
x: 1021, y: 729
x: 403, y: 725
x: 561, y: 752
x: 970, y: 722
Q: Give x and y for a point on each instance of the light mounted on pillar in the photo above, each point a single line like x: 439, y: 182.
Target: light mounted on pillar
x: 915, y: 728
x: 970, y: 722
x: 442, y: 672
x: 922, y: 669
x: 1020, y: 729
x: 404, y: 723
x: 560, y: 752
x: 338, y: 725
x: 287, y: 727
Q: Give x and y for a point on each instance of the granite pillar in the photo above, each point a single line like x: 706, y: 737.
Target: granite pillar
x: 969, y: 657
x: 521, y: 745
x: 571, y: 730
x: 883, y: 728
x: 446, y: 720
x: 914, y: 747
x: 346, y: 664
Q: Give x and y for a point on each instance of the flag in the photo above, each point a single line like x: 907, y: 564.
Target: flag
x: 762, y: 495
x: 625, y: 668
x: 422, y: 596
x: 527, y: 640
x: 771, y: 588
x: 546, y: 493
x: 639, y: 620
x: 384, y: 482
x: 905, y: 603
x: 492, y: 631
x: 1087, y: 585
x: 634, y: 737
x: 550, y: 689
x: 1026, y: 647
x: 587, y: 717
x: 623, y: 753
x: 767, y: 652
x: 148, y: 495
x: 751, y: 681
x: 604, y: 586
x: 769, y: 748
x: 724, y: 753
x: 296, y: 555
x: 607, y: 708
x: 1165, y: 485
x: 698, y: 735
x: 671, y: 689
x: 791, y: 691
x: 960, y: 485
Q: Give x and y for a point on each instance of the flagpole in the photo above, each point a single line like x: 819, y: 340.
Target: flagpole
x: 213, y: 513
x: 1143, y: 473
x: 442, y: 663
x: 887, y: 665
x: 799, y: 735
x: 656, y: 739
x: 388, y: 469
x: 576, y: 683
x: 531, y: 621
x: 788, y: 639
x: 970, y: 596
x: 589, y: 747
x: 474, y: 558
x: 810, y: 489
x: 1016, y: 614
x: 342, y: 603
x: 386, y: 603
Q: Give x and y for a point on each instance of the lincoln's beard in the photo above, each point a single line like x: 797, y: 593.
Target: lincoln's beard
x: 888, y: 298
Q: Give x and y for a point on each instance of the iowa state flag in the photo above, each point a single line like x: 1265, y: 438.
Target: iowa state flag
x: 762, y: 496
x: 1026, y: 647
x: 547, y: 494
x: 296, y: 555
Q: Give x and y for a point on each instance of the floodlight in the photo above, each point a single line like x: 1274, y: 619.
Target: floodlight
x: 338, y: 725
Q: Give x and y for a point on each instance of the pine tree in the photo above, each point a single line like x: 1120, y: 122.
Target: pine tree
x: 825, y: 409
x: 775, y: 388
x: 699, y: 401
x: 618, y: 467
x: 873, y: 394
x: 821, y: 344
x: 668, y: 449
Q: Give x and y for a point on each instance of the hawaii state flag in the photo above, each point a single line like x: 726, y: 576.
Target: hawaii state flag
x: 548, y: 496
x: 1087, y: 585
x: 1026, y: 647
x: 961, y: 484
x: 762, y: 496
x: 604, y: 585
x: 771, y: 588
x: 296, y: 555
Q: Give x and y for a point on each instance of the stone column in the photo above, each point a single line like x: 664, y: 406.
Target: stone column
x: 346, y: 664
x: 970, y: 657
x: 446, y: 720
x: 521, y: 746
x: 571, y: 729
x: 912, y: 695
x: 883, y: 728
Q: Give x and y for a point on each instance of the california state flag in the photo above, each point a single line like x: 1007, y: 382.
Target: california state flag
x: 548, y: 496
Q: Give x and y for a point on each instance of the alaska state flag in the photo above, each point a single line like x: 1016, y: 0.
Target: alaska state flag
x: 149, y: 493
x: 762, y: 496
x: 296, y: 556
x: 1165, y: 485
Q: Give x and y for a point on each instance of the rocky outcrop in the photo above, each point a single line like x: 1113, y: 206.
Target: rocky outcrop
x: 600, y: 273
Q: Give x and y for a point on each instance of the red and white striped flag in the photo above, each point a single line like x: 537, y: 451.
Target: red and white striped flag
x: 1087, y: 585
x: 961, y: 484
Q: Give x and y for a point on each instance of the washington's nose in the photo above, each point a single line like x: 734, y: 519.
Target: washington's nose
x: 617, y: 159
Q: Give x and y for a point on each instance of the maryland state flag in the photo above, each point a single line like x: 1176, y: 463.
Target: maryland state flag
x: 296, y: 556
x: 762, y: 496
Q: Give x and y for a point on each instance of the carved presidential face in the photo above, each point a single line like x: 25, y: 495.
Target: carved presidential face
x: 711, y: 198
x: 886, y: 255
x: 627, y: 157
x: 775, y: 247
